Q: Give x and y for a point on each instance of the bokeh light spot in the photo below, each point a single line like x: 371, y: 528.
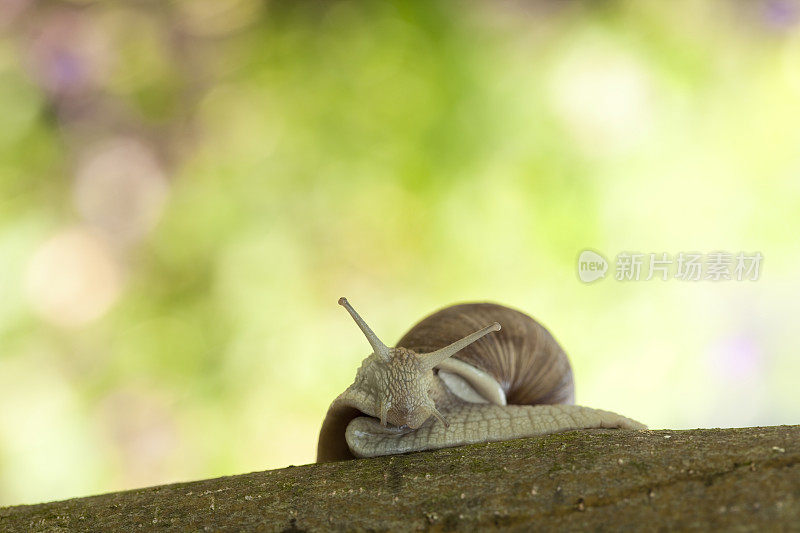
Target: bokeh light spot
x: 73, y: 278
x: 121, y: 188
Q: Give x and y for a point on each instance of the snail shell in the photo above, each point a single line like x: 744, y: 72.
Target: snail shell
x: 452, y: 380
x: 523, y: 357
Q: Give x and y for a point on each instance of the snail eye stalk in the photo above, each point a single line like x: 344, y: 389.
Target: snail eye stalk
x: 432, y: 359
x: 377, y: 346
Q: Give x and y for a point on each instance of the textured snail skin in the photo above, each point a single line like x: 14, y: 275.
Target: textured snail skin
x: 472, y: 423
x: 398, y: 402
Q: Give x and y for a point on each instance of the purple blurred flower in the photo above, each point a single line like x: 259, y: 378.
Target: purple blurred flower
x: 736, y: 358
x: 66, y: 54
x: 781, y: 14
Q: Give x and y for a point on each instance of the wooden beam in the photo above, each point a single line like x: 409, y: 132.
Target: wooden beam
x: 704, y: 479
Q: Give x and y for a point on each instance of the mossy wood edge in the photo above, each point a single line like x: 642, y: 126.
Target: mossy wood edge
x: 745, y: 479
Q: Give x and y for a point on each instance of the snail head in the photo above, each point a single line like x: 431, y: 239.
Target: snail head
x: 397, y: 381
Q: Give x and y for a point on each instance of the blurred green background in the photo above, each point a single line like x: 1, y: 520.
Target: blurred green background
x: 187, y: 187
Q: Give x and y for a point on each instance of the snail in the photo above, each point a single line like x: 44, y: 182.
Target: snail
x: 468, y: 373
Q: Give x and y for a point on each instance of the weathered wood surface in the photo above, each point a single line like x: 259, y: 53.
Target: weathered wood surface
x: 742, y: 479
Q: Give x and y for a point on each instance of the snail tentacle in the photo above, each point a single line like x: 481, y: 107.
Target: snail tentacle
x: 378, y: 347
x: 430, y: 360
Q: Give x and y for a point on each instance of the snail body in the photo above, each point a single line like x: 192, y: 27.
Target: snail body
x: 467, y: 373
